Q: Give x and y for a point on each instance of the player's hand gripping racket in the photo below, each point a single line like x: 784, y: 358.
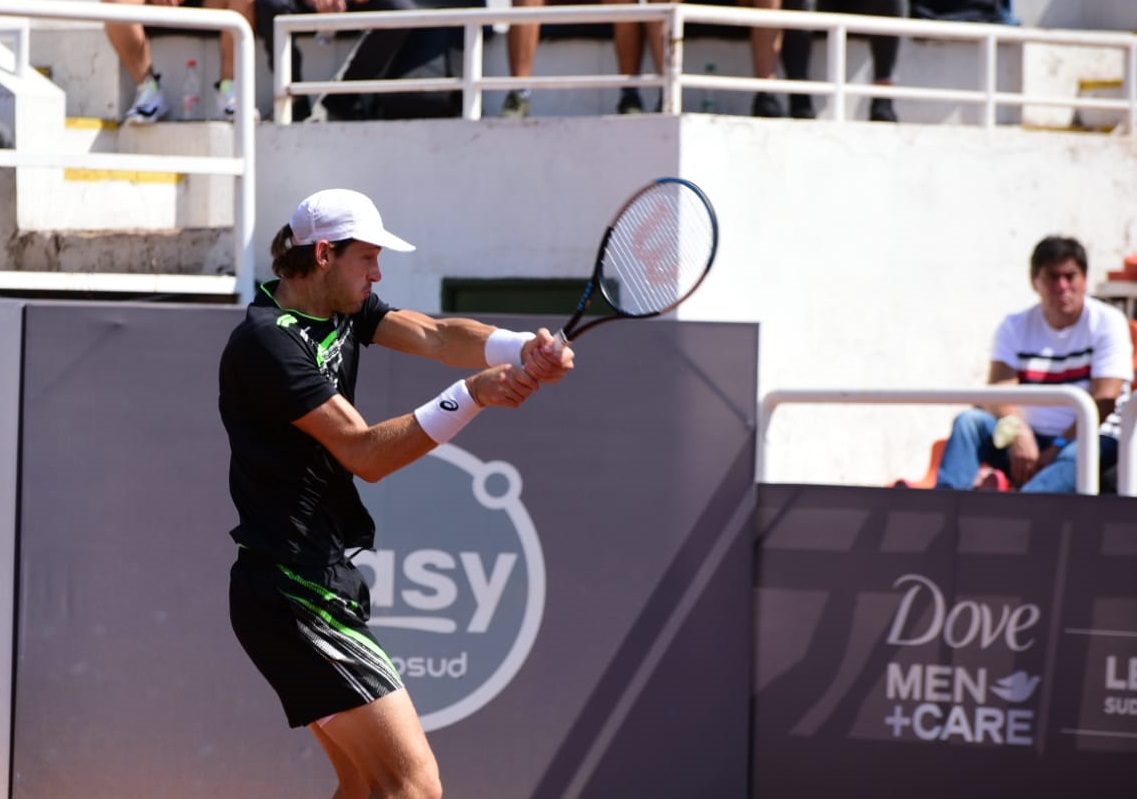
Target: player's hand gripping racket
x: 657, y: 250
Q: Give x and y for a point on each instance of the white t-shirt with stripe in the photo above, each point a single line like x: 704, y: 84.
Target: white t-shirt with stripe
x: 1097, y: 345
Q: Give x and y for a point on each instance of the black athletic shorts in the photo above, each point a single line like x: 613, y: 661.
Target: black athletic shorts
x: 305, y: 629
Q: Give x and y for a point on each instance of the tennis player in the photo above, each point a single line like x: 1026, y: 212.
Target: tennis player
x: 298, y: 605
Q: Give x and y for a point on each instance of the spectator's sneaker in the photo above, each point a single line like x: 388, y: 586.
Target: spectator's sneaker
x: 801, y: 107
x: 630, y: 102
x: 516, y: 106
x: 227, y: 102
x: 149, y: 104
x: 767, y: 105
x: 881, y: 110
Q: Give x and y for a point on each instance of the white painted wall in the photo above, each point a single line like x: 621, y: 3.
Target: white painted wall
x: 873, y: 256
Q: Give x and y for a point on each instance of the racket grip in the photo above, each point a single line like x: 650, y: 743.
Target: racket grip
x: 560, y: 341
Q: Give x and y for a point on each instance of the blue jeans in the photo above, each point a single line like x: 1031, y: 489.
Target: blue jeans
x: 972, y: 445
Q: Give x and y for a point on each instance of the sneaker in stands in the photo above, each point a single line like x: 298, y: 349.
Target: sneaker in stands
x: 516, y: 106
x: 227, y: 102
x: 149, y: 104
x: 801, y: 107
x: 630, y: 102
x: 881, y: 110
x: 767, y: 105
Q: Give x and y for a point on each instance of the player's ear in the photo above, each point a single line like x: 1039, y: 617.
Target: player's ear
x: 323, y: 253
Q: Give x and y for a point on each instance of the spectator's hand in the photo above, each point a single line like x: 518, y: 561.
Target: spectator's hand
x: 328, y: 6
x: 503, y: 386
x: 166, y: 2
x: 1024, y: 456
x: 544, y: 360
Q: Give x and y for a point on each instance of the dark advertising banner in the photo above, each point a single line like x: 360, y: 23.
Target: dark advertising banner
x: 944, y: 644
x: 11, y: 327
x: 566, y: 587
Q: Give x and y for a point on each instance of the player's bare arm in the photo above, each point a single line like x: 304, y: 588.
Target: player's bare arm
x: 371, y: 452
x: 461, y: 342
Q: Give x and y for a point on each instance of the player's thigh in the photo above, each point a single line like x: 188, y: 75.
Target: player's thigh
x: 353, y: 783
x: 385, y: 741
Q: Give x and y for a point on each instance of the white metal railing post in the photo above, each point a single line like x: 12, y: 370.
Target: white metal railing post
x: 837, y: 47
x: 245, y: 148
x: 1086, y: 412
x: 1126, y: 451
x: 21, y: 31
x: 673, y: 50
x: 1131, y: 87
x: 472, y: 54
x: 281, y: 73
x: 990, y: 80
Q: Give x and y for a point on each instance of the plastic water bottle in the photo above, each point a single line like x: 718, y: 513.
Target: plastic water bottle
x: 708, y: 105
x: 191, y: 91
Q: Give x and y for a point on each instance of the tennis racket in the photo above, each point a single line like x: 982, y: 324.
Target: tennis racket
x: 657, y: 250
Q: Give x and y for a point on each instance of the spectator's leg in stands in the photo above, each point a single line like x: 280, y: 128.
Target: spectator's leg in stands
x: 797, y: 47
x: 225, y: 90
x: 131, y: 44
x: 971, y: 444
x: 629, y: 39
x: 765, y: 46
x: 884, y: 52
x: 372, y: 58
x: 133, y: 48
x: 1061, y: 476
x: 521, y: 46
x: 266, y: 12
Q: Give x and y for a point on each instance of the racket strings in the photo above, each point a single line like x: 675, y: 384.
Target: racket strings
x: 658, y: 250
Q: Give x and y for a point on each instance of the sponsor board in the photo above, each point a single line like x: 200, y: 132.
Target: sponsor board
x: 457, y: 579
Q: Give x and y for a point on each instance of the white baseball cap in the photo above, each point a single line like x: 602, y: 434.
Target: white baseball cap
x: 338, y: 214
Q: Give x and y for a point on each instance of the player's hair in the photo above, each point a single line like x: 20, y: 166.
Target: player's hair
x: 297, y: 260
x: 1057, y: 250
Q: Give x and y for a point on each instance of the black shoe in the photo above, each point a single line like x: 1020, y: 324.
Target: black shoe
x: 516, y: 106
x: 801, y: 107
x: 630, y: 102
x: 881, y: 110
x: 767, y: 105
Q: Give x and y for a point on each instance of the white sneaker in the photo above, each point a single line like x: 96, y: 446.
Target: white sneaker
x: 227, y: 101
x: 149, y: 104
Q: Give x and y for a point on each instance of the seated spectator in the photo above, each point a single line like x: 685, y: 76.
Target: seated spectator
x: 371, y: 58
x: 994, y: 11
x: 521, y: 46
x: 629, y: 39
x: 133, y: 47
x: 797, y: 47
x: 1066, y: 339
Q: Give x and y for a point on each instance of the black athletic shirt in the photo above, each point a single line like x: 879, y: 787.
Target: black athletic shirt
x: 295, y: 502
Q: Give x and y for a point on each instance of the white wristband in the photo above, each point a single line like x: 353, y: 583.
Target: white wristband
x: 449, y: 412
x: 504, y: 346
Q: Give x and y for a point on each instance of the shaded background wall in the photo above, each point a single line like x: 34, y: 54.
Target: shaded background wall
x: 636, y: 476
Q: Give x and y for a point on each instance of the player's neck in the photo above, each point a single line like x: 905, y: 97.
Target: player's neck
x: 297, y: 294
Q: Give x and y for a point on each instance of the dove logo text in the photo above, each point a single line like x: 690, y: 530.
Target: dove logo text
x: 963, y: 624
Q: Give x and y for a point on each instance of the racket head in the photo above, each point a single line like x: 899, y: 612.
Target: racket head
x: 658, y: 249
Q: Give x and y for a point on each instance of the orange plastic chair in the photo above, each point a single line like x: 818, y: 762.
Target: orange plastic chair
x: 929, y: 478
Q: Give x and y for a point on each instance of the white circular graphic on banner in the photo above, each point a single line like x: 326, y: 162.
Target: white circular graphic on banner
x: 457, y: 579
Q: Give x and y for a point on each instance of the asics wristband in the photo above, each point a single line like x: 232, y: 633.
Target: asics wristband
x: 504, y: 346
x: 449, y: 412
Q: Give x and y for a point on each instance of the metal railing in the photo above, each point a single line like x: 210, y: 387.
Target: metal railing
x: 1080, y: 401
x: 13, y: 19
x: 675, y: 17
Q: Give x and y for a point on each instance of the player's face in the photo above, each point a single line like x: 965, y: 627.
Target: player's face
x: 356, y: 268
x: 1061, y: 288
